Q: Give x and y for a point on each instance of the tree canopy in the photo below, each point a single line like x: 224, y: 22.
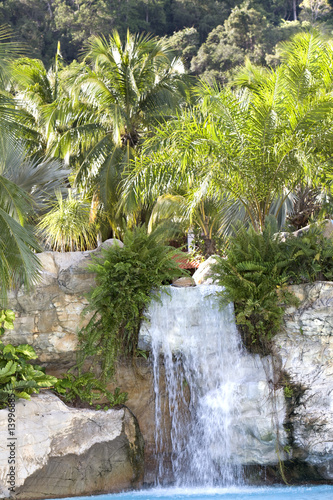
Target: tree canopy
x: 127, y: 136
x: 42, y: 24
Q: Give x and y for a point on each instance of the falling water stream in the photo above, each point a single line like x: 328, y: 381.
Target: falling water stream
x: 206, y: 380
x: 202, y: 362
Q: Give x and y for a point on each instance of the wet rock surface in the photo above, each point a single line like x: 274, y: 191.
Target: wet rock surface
x: 49, y: 316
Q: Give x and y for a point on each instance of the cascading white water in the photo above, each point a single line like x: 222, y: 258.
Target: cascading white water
x: 202, y: 361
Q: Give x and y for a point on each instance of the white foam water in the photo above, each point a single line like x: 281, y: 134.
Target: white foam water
x: 201, y: 354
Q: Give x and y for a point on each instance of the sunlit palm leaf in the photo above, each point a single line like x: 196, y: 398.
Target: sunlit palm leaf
x: 68, y: 226
x: 250, y: 146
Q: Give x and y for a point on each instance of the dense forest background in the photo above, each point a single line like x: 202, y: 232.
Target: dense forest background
x: 212, y: 36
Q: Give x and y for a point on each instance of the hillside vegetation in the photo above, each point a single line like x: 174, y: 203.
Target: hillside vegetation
x: 212, y: 36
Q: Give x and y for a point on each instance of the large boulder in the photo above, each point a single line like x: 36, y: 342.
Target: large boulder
x: 203, y: 275
x: 61, y: 451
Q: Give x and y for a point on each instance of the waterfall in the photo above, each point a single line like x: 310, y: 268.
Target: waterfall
x: 203, y: 374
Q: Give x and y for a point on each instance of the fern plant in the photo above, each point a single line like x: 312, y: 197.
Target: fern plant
x: 125, y: 280
x: 258, y: 269
x: 86, y: 388
x: 254, y: 278
x: 310, y: 256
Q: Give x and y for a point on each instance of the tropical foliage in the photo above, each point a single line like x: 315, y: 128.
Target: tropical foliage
x: 254, y: 278
x: 68, y: 225
x: 127, y: 143
x: 258, y: 271
x: 27, y: 186
x: 40, y: 25
x: 244, y: 150
x: 17, y: 375
x: 127, y: 279
x: 310, y: 256
x: 86, y: 388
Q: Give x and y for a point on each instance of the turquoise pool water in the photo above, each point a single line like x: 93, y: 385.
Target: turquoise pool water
x: 232, y: 493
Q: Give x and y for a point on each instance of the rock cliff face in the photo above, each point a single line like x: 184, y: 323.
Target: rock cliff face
x: 305, y: 351
x: 49, y: 317
x: 61, y: 451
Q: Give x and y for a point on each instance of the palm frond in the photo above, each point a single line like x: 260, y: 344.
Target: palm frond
x: 67, y: 226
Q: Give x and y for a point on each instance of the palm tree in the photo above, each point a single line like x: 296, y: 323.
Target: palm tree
x: 18, y: 262
x: 26, y: 183
x: 12, y: 120
x: 26, y: 186
x: 45, y: 99
x: 67, y: 226
x: 65, y: 219
x: 126, y: 88
x: 250, y: 146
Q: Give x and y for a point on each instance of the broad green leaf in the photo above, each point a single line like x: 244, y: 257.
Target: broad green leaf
x: 27, y: 350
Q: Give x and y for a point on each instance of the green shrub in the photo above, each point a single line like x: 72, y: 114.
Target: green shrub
x: 253, y: 276
x: 67, y: 226
x: 86, y: 388
x: 17, y: 375
x: 125, y: 280
x: 310, y: 257
x: 258, y: 269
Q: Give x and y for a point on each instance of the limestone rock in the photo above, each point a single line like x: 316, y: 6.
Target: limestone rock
x: 49, y: 316
x: 73, y: 275
x: 63, y: 451
x: 327, y: 229
x: 203, y: 274
x: 262, y: 414
x: 184, y: 281
x: 305, y: 349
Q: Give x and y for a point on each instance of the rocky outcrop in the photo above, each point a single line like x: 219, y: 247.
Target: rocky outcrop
x: 305, y: 351
x: 49, y: 316
x: 61, y: 451
x: 203, y: 275
x: 184, y: 281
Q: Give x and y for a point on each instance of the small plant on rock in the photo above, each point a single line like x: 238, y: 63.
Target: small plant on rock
x: 86, y: 388
x: 17, y: 375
